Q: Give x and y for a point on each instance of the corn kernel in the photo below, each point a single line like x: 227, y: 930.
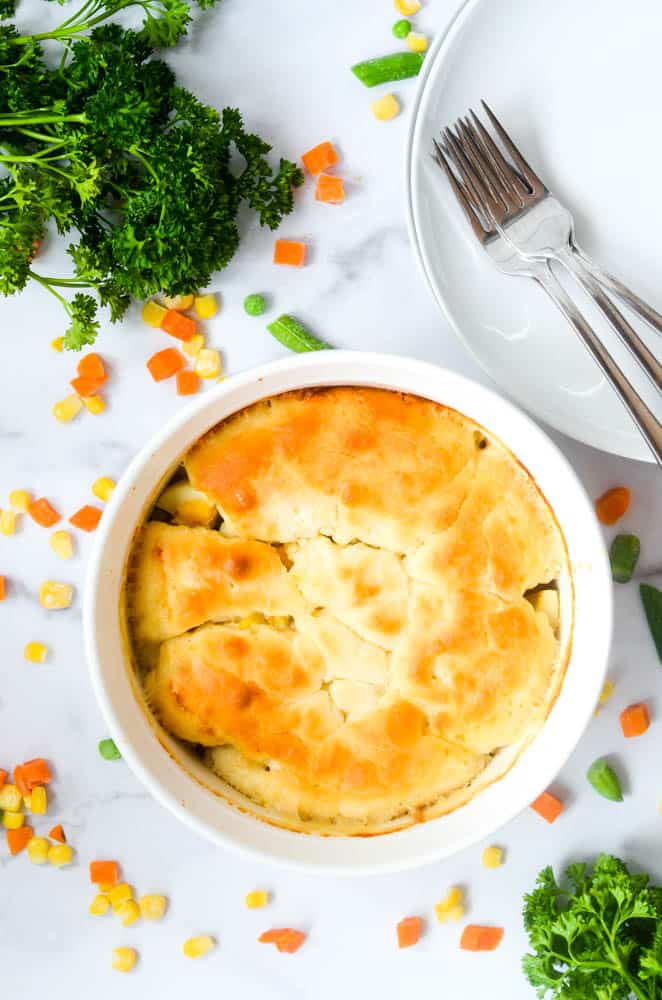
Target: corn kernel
x: 255, y: 618
x: 194, y: 345
x: 119, y: 894
x: 456, y: 913
x: 35, y: 652
x: 198, y: 946
x: 105, y: 887
x: 205, y: 306
x: 62, y: 544
x: 128, y: 912
x: 10, y: 798
x: 386, y: 107
x: 94, y: 405
x: 207, y: 363
x: 178, y: 302
x: 606, y: 693
x: 12, y: 820
x: 103, y: 488
x: 450, y: 907
x: 66, y: 409
x: 60, y: 854
x: 256, y: 900
x: 407, y: 7
x: 38, y: 800
x: 58, y: 344
x: 99, y: 905
x: 7, y: 522
x: 20, y: 501
x: 124, y: 959
x: 38, y: 850
x: 492, y: 857
x: 417, y: 42
x: 55, y: 596
x: 153, y: 906
x: 153, y: 313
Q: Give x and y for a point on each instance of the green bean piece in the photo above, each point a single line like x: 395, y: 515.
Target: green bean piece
x: 385, y: 69
x: 108, y: 750
x: 623, y: 556
x: 294, y: 335
x: 651, y: 598
x: 604, y: 780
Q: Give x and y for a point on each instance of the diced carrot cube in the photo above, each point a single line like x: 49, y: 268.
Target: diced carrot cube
x: 41, y: 511
x: 57, y: 833
x: 31, y: 773
x: 3, y: 588
x: 3, y: 776
x: 91, y: 366
x: 548, y: 806
x: 611, y: 506
x: 17, y: 840
x: 165, y: 363
x: 87, y: 518
x: 634, y: 720
x: 330, y: 189
x: 178, y: 325
x: 104, y: 871
x: 477, y: 938
x: 320, y: 158
x: 84, y: 386
x: 187, y: 382
x: 286, y: 939
x: 409, y: 932
x: 290, y: 252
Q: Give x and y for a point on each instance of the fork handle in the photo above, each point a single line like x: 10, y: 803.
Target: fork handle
x: 645, y: 419
x: 612, y: 284
x: 645, y: 358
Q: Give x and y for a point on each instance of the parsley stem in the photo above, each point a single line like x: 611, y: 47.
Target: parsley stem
x: 60, y: 282
x: 38, y: 118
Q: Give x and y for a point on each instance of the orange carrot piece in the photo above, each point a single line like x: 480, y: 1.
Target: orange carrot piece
x: 91, y: 366
x: 187, y: 382
x: 57, y: 833
x: 290, y: 252
x: 87, y: 518
x: 104, y: 871
x: 3, y: 588
x: 84, y: 386
x: 611, y: 506
x: 286, y: 939
x: 3, y: 776
x: 320, y: 158
x: 330, y: 189
x: 41, y: 511
x: 409, y: 932
x: 548, y: 806
x: 18, y: 839
x: 634, y: 720
x: 165, y: 363
x: 477, y: 938
x: 31, y: 773
x: 178, y: 325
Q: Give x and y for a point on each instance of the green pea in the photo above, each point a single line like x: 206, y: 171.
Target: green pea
x: 254, y: 305
x: 604, y: 780
x: 623, y: 556
x: 108, y: 750
x: 402, y: 28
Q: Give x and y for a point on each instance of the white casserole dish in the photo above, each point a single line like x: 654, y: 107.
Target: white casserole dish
x: 183, y: 785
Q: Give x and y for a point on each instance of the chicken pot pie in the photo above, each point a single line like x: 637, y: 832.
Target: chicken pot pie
x: 347, y: 602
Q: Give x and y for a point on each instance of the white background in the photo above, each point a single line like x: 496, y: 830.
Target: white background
x: 286, y: 66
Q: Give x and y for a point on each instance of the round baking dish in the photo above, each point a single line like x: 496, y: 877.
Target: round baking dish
x: 182, y: 784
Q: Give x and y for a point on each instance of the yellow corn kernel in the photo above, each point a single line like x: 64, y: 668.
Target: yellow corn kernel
x: 7, y: 522
x: 119, y: 894
x: 12, y: 820
x: 103, y: 488
x: 606, y: 693
x: 57, y: 344
x: 38, y: 850
x: 255, y: 618
x: 55, y: 596
x: 35, y: 652
x: 60, y: 855
x: 205, y: 306
x: 20, y: 501
x: 281, y: 622
x: 94, y: 405
x: 99, y: 905
x: 105, y: 887
x: 492, y: 857
x: 62, y: 544
x: 386, y: 107
x: 68, y: 408
x: 178, y: 302
x: 153, y: 313
x: 10, y: 798
x: 207, y: 363
x: 417, y: 42
x: 407, y: 7
x: 257, y: 899
x: 153, y: 906
x: 124, y: 959
x: 194, y: 345
x: 38, y: 800
x: 450, y: 907
x: 198, y: 946
x: 128, y: 912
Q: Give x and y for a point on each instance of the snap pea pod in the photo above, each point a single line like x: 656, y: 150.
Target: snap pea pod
x: 623, y: 556
x: 604, y: 780
x: 294, y: 335
x: 651, y: 598
x: 385, y: 69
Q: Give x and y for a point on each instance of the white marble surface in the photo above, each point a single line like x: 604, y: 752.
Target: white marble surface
x: 286, y: 66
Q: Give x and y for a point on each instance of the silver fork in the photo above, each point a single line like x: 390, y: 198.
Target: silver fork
x: 518, y: 224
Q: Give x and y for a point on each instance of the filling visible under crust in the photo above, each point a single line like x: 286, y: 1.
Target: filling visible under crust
x: 347, y: 601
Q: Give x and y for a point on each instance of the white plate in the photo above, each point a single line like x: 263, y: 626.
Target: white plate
x: 577, y: 85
